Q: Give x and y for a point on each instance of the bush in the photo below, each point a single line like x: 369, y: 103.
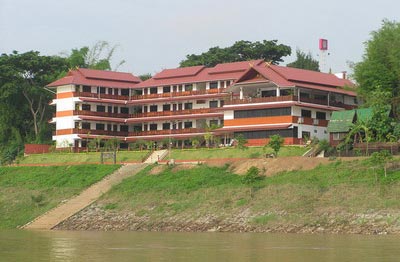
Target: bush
x: 252, y: 175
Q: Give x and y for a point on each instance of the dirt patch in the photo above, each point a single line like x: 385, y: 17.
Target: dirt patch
x: 271, y: 166
x: 157, y: 169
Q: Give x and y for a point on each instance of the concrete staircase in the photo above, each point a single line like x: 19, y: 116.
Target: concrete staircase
x: 72, y: 206
x: 156, y: 156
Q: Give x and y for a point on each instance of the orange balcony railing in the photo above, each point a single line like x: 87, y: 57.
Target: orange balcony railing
x: 167, y: 132
x: 175, y: 94
x: 99, y: 132
x: 101, y: 114
x: 174, y: 113
x: 101, y: 96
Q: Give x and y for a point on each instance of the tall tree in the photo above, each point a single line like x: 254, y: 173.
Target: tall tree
x: 304, y: 61
x: 98, y: 56
x: 380, y: 68
x: 22, y: 78
x: 239, y: 51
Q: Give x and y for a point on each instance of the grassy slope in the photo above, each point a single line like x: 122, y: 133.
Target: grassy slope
x: 91, y: 157
x: 292, y: 197
x: 52, y: 184
x: 251, y: 152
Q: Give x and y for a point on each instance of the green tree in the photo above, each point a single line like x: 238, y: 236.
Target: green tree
x: 276, y: 142
x: 239, y: 51
x: 381, y: 159
x: 380, y: 68
x: 145, y: 77
x: 241, y: 142
x: 24, y: 101
x: 252, y: 175
x: 304, y: 61
x: 99, y: 56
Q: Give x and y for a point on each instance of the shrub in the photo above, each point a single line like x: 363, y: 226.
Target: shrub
x: 252, y: 175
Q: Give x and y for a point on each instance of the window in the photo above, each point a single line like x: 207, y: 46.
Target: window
x: 100, y: 108
x: 221, y: 103
x: 153, y: 126
x: 268, y: 93
x: 124, y: 92
x: 85, y: 107
x: 200, y: 101
x: 166, y: 107
x: 123, y: 128
x: 153, y: 90
x: 213, y: 123
x: 85, y: 125
x: 320, y: 97
x: 187, y: 125
x: 166, y: 126
x: 109, y: 127
x: 153, y: 108
x: 101, y: 90
x: 115, y: 128
x: 124, y: 110
x: 304, y: 95
x: 189, y: 87
x: 222, y: 84
x: 115, y: 91
x: 213, y: 104
x: 321, y: 115
x: 213, y: 85
x: 100, y: 126
x: 87, y: 89
x: 166, y: 89
x: 188, y: 106
x: 305, y: 113
x: 285, y: 111
x: 115, y: 109
x: 286, y: 92
x: 109, y: 109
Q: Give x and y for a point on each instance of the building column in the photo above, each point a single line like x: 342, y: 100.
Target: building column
x: 278, y: 91
x: 241, y: 93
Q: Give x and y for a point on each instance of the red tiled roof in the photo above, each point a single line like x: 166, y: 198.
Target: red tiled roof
x: 92, y: 77
x: 286, y: 76
x: 109, y: 75
x: 179, y: 72
x: 196, y: 74
x: 308, y: 76
x: 233, y: 67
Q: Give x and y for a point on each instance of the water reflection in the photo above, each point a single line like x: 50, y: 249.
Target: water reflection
x: 16, y: 245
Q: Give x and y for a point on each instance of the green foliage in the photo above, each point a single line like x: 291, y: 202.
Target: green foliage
x: 252, y: 175
x: 380, y: 68
x: 27, y: 192
x: 239, y: 51
x: 145, y: 77
x: 241, y: 142
x: 324, y: 145
x: 98, y: 56
x: 304, y: 61
x: 112, y: 144
x: 195, y: 141
x: 276, y: 142
x: 381, y: 159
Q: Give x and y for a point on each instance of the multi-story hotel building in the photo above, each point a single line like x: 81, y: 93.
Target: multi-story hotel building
x: 252, y: 98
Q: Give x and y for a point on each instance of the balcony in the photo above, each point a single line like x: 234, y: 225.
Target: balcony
x: 100, y: 96
x: 167, y: 132
x: 175, y: 94
x: 99, y: 132
x: 174, y: 113
x: 101, y: 114
x: 252, y: 100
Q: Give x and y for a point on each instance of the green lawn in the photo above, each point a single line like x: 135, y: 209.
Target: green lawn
x: 27, y: 192
x: 291, y: 197
x: 90, y: 157
x: 215, y: 153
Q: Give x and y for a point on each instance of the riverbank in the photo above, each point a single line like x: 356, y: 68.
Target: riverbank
x: 28, y: 192
x: 338, y: 197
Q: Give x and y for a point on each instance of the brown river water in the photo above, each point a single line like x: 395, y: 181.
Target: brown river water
x: 19, y: 245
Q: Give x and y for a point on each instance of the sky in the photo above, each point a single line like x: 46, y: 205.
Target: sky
x: 153, y: 34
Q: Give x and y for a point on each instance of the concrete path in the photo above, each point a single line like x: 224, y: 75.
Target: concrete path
x: 156, y: 156
x: 72, y: 206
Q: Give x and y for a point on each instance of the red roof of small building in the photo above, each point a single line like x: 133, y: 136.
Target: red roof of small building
x: 83, y: 76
